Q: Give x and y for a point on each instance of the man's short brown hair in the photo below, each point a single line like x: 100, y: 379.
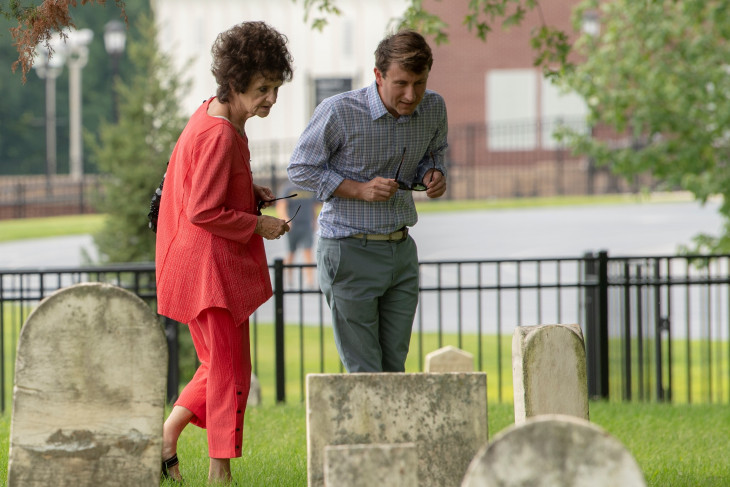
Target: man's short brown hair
x: 408, y: 49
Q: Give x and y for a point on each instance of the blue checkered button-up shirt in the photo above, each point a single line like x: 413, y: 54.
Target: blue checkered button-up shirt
x: 353, y: 136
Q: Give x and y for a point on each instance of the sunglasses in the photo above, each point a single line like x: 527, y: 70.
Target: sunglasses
x: 414, y: 186
x: 263, y: 202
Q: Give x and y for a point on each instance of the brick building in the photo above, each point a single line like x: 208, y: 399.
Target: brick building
x: 502, y: 110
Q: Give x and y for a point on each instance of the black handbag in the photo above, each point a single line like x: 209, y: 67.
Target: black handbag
x: 155, y: 205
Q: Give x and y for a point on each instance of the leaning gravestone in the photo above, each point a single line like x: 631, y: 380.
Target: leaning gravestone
x: 371, y: 465
x: 89, y: 395
x: 554, y: 451
x: 449, y: 359
x: 445, y: 415
x: 549, y: 371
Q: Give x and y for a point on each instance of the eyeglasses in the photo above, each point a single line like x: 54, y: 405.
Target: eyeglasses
x: 263, y: 202
x: 414, y: 186
x: 295, y: 214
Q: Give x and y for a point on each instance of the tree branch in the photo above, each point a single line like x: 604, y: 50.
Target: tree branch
x: 36, y: 25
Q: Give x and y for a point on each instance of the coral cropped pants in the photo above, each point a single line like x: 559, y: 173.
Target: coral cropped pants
x: 218, y: 392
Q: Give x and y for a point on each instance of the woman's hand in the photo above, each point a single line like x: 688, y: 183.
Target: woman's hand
x: 263, y: 193
x: 271, y: 228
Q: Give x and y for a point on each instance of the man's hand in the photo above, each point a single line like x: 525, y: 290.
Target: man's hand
x: 377, y: 189
x: 435, y: 183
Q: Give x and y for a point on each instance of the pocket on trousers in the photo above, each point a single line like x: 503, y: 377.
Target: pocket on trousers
x: 329, y: 258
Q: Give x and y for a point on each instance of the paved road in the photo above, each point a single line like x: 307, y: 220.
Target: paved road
x: 630, y: 229
x: 633, y: 229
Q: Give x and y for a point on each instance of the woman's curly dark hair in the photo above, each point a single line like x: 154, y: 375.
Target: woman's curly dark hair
x: 245, y: 50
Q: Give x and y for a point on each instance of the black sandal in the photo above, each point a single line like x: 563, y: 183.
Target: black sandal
x: 167, y: 464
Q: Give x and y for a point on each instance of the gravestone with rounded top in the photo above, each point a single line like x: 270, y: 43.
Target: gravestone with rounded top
x: 89, y: 395
x: 549, y: 371
x: 554, y: 451
x: 445, y: 415
x: 449, y: 359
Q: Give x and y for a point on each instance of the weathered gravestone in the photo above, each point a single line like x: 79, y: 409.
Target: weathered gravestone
x: 445, y: 415
x: 554, y: 451
x: 89, y: 396
x: 449, y: 359
x: 549, y: 371
x: 371, y: 465
x: 254, y: 393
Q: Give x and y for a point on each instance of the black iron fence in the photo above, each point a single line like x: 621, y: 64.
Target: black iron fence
x: 656, y: 328
x: 41, y: 196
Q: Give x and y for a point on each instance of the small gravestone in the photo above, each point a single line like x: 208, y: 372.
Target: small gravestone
x: 449, y: 359
x: 554, y: 451
x: 445, y: 415
x: 89, y: 395
x: 371, y: 465
x: 254, y: 393
x: 549, y: 371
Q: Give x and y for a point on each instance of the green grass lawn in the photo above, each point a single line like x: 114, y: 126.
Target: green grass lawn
x: 674, y: 445
x: 49, y: 227
x: 311, y: 350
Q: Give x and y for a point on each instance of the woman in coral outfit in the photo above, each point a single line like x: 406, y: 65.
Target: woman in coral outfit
x: 211, y: 264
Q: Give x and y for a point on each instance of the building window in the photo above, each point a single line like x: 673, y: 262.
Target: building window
x: 511, y: 109
x: 524, y: 110
x: 326, y: 87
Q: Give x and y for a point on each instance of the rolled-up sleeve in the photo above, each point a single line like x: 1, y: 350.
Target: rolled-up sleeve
x: 309, y: 166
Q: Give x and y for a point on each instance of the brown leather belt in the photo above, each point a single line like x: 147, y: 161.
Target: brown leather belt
x: 397, y: 236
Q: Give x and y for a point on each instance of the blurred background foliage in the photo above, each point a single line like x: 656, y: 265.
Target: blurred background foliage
x: 22, y: 109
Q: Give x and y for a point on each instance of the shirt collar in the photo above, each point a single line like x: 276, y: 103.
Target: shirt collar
x: 378, y: 110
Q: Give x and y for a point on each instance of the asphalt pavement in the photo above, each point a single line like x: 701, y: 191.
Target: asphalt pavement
x: 635, y: 229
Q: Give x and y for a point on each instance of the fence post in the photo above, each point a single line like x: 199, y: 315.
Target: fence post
x: 596, y: 306
x: 661, y: 324
x: 591, y: 176
x: 603, y: 323
x: 279, y: 329
x: 2, y: 347
x: 173, y: 360
x: 471, y: 160
x: 19, y: 200
x: 81, y: 196
x: 272, y: 175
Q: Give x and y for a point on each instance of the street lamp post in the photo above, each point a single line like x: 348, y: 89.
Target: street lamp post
x: 115, y: 37
x: 591, y: 26
x: 48, y: 67
x: 77, y: 55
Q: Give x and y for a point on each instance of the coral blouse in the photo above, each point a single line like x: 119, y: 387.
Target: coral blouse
x: 207, y: 254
